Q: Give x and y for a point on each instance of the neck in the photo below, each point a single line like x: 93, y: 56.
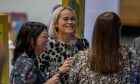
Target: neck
x: 66, y: 39
x: 24, y: 54
x: 37, y: 52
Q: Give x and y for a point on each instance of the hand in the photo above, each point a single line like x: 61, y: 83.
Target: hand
x: 54, y: 79
x: 66, y: 66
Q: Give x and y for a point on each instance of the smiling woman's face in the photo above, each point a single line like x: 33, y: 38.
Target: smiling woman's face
x: 41, y: 42
x: 66, y: 22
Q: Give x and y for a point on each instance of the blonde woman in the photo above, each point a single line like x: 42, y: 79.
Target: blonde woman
x: 62, y: 44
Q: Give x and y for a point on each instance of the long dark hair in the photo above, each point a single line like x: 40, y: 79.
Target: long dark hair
x: 28, y: 31
x: 105, y: 57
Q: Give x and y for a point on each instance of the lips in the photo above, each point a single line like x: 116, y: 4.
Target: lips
x: 69, y: 27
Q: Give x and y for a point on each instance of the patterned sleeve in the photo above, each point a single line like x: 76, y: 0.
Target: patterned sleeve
x: 134, y: 63
x: 74, y: 71
x: 135, y: 69
x: 78, y: 64
x: 44, y: 63
x: 28, y: 71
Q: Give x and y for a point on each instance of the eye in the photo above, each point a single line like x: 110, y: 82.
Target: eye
x: 65, y: 18
x: 73, y: 18
x: 45, y: 36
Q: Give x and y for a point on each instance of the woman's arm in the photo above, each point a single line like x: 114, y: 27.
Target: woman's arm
x: 28, y: 74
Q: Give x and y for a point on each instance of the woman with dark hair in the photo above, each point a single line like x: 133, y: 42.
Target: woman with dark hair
x: 30, y: 42
x: 107, y: 62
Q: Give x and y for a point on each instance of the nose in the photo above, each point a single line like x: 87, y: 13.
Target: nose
x: 70, y: 21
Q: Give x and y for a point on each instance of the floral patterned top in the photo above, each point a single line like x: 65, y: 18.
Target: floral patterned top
x: 81, y: 74
x: 24, y: 71
x: 56, y: 53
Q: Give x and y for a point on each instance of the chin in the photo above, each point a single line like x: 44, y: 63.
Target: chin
x: 70, y: 32
x: 44, y: 49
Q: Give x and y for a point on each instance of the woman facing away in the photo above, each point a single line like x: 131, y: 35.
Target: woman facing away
x: 62, y: 44
x: 107, y: 62
x: 30, y: 42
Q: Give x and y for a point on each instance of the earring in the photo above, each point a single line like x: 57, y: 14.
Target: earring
x: 56, y: 28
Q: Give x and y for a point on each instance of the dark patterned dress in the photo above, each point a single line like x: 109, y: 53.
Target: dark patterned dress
x: 81, y: 74
x: 55, y: 55
x: 24, y: 71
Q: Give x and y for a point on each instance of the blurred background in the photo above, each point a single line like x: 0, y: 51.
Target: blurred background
x: 16, y: 12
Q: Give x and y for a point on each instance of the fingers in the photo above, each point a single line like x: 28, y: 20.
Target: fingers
x: 68, y: 61
x: 54, y: 79
x: 56, y: 76
x: 66, y: 65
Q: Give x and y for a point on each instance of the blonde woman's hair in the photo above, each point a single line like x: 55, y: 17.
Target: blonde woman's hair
x: 54, y: 19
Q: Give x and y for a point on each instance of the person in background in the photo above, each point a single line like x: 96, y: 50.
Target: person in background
x: 107, y: 62
x: 31, y: 41
x: 62, y: 44
x: 53, y: 9
x: 136, y: 45
x: 136, y: 52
